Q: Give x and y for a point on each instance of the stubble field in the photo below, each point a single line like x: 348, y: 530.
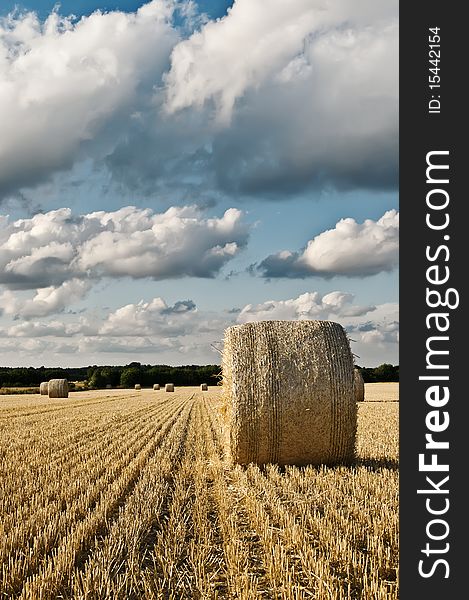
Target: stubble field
x: 124, y: 494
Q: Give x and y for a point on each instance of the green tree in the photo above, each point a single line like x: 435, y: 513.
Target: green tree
x: 130, y: 376
x: 385, y: 372
x: 97, y: 380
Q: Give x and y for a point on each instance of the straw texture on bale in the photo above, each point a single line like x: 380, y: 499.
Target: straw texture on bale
x: 58, y: 388
x: 156, y: 386
x: 44, y: 388
x: 169, y: 387
x: 289, y: 390
x: 138, y: 386
x: 359, y: 385
x: 203, y: 387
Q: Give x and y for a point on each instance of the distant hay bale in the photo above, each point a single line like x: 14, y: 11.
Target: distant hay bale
x: 108, y: 386
x: 138, y: 386
x: 203, y: 387
x: 289, y: 393
x: 169, y: 387
x: 156, y: 386
x: 358, y: 385
x: 44, y: 388
x: 58, y: 388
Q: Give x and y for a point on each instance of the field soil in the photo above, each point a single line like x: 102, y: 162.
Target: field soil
x: 125, y: 494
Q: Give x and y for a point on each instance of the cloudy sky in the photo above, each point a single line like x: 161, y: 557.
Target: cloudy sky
x: 170, y: 168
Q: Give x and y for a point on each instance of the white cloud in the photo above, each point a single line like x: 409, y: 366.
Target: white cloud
x: 351, y: 249
x: 46, y: 301
x: 155, y: 328
x: 49, y: 249
x: 272, y: 99
x: 30, y: 329
x: 304, y: 93
x: 261, y: 39
x: 373, y: 330
x: 171, y: 244
x: 311, y: 305
x: 149, y: 318
x: 67, y: 84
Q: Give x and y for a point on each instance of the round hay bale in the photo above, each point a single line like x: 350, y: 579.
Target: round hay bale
x: 44, y: 388
x: 138, y: 386
x: 358, y: 385
x: 169, y: 387
x: 203, y: 387
x: 156, y: 386
x: 289, y: 391
x: 58, y: 388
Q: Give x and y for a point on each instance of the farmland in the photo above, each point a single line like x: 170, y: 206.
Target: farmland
x: 128, y: 494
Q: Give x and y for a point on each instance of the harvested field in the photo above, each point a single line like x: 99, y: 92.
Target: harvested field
x: 382, y: 392
x: 123, y: 494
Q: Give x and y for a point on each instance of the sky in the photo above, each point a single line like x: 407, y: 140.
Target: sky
x: 172, y: 168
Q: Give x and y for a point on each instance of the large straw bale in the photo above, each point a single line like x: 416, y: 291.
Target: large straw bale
x: 156, y: 386
x: 44, y: 388
x: 169, y: 387
x: 58, y: 388
x: 138, y: 386
x: 288, y: 386
x: 358, y: 385
x: 203, y: 387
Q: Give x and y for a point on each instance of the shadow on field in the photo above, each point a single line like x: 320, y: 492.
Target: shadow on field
x: 376, y: 464
x: 371, y: 464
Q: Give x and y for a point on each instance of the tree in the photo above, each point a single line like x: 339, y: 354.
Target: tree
x: 130, y: 376
x: 97, y: 379
x: 386, y: 372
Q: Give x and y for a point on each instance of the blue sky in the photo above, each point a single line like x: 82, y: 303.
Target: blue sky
x: 213, y: 8
x: 172, y: 170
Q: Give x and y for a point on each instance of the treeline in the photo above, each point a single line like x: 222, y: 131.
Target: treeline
x: 124, y: 376
x: 384, y: 372
x: 128, y: 375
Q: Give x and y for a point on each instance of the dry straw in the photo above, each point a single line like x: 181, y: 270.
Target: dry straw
x: 359, y: 385
x: 203, y: 387
x: 138, y: 386
x: 44, y: 388
x: 169, y: 387
x: 289, y: 392
x: 58, y: 388
x: 156, y: 386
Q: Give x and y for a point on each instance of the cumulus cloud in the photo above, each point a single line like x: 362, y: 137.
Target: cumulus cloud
x: 51, y: 248
x: 311, y: 305
x: 312, y: 99
x: 29, y: 329
x: 154, y: 327
x: 146, y: 327
x: 46, y: 301
x: 350, y: 249
x: 68, y: 86
x: 151, y: 317
x: 373, y: 330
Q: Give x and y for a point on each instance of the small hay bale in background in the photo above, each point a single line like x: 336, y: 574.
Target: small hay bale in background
x: 156, y: 386
x: 203, y: 387
x: 358, y: 385
x: 289, y: 392
x: 58, y: 388
x: 169, y: 387
x: 138, y: 386
x: 44, y: 388
x: 108, y: 386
